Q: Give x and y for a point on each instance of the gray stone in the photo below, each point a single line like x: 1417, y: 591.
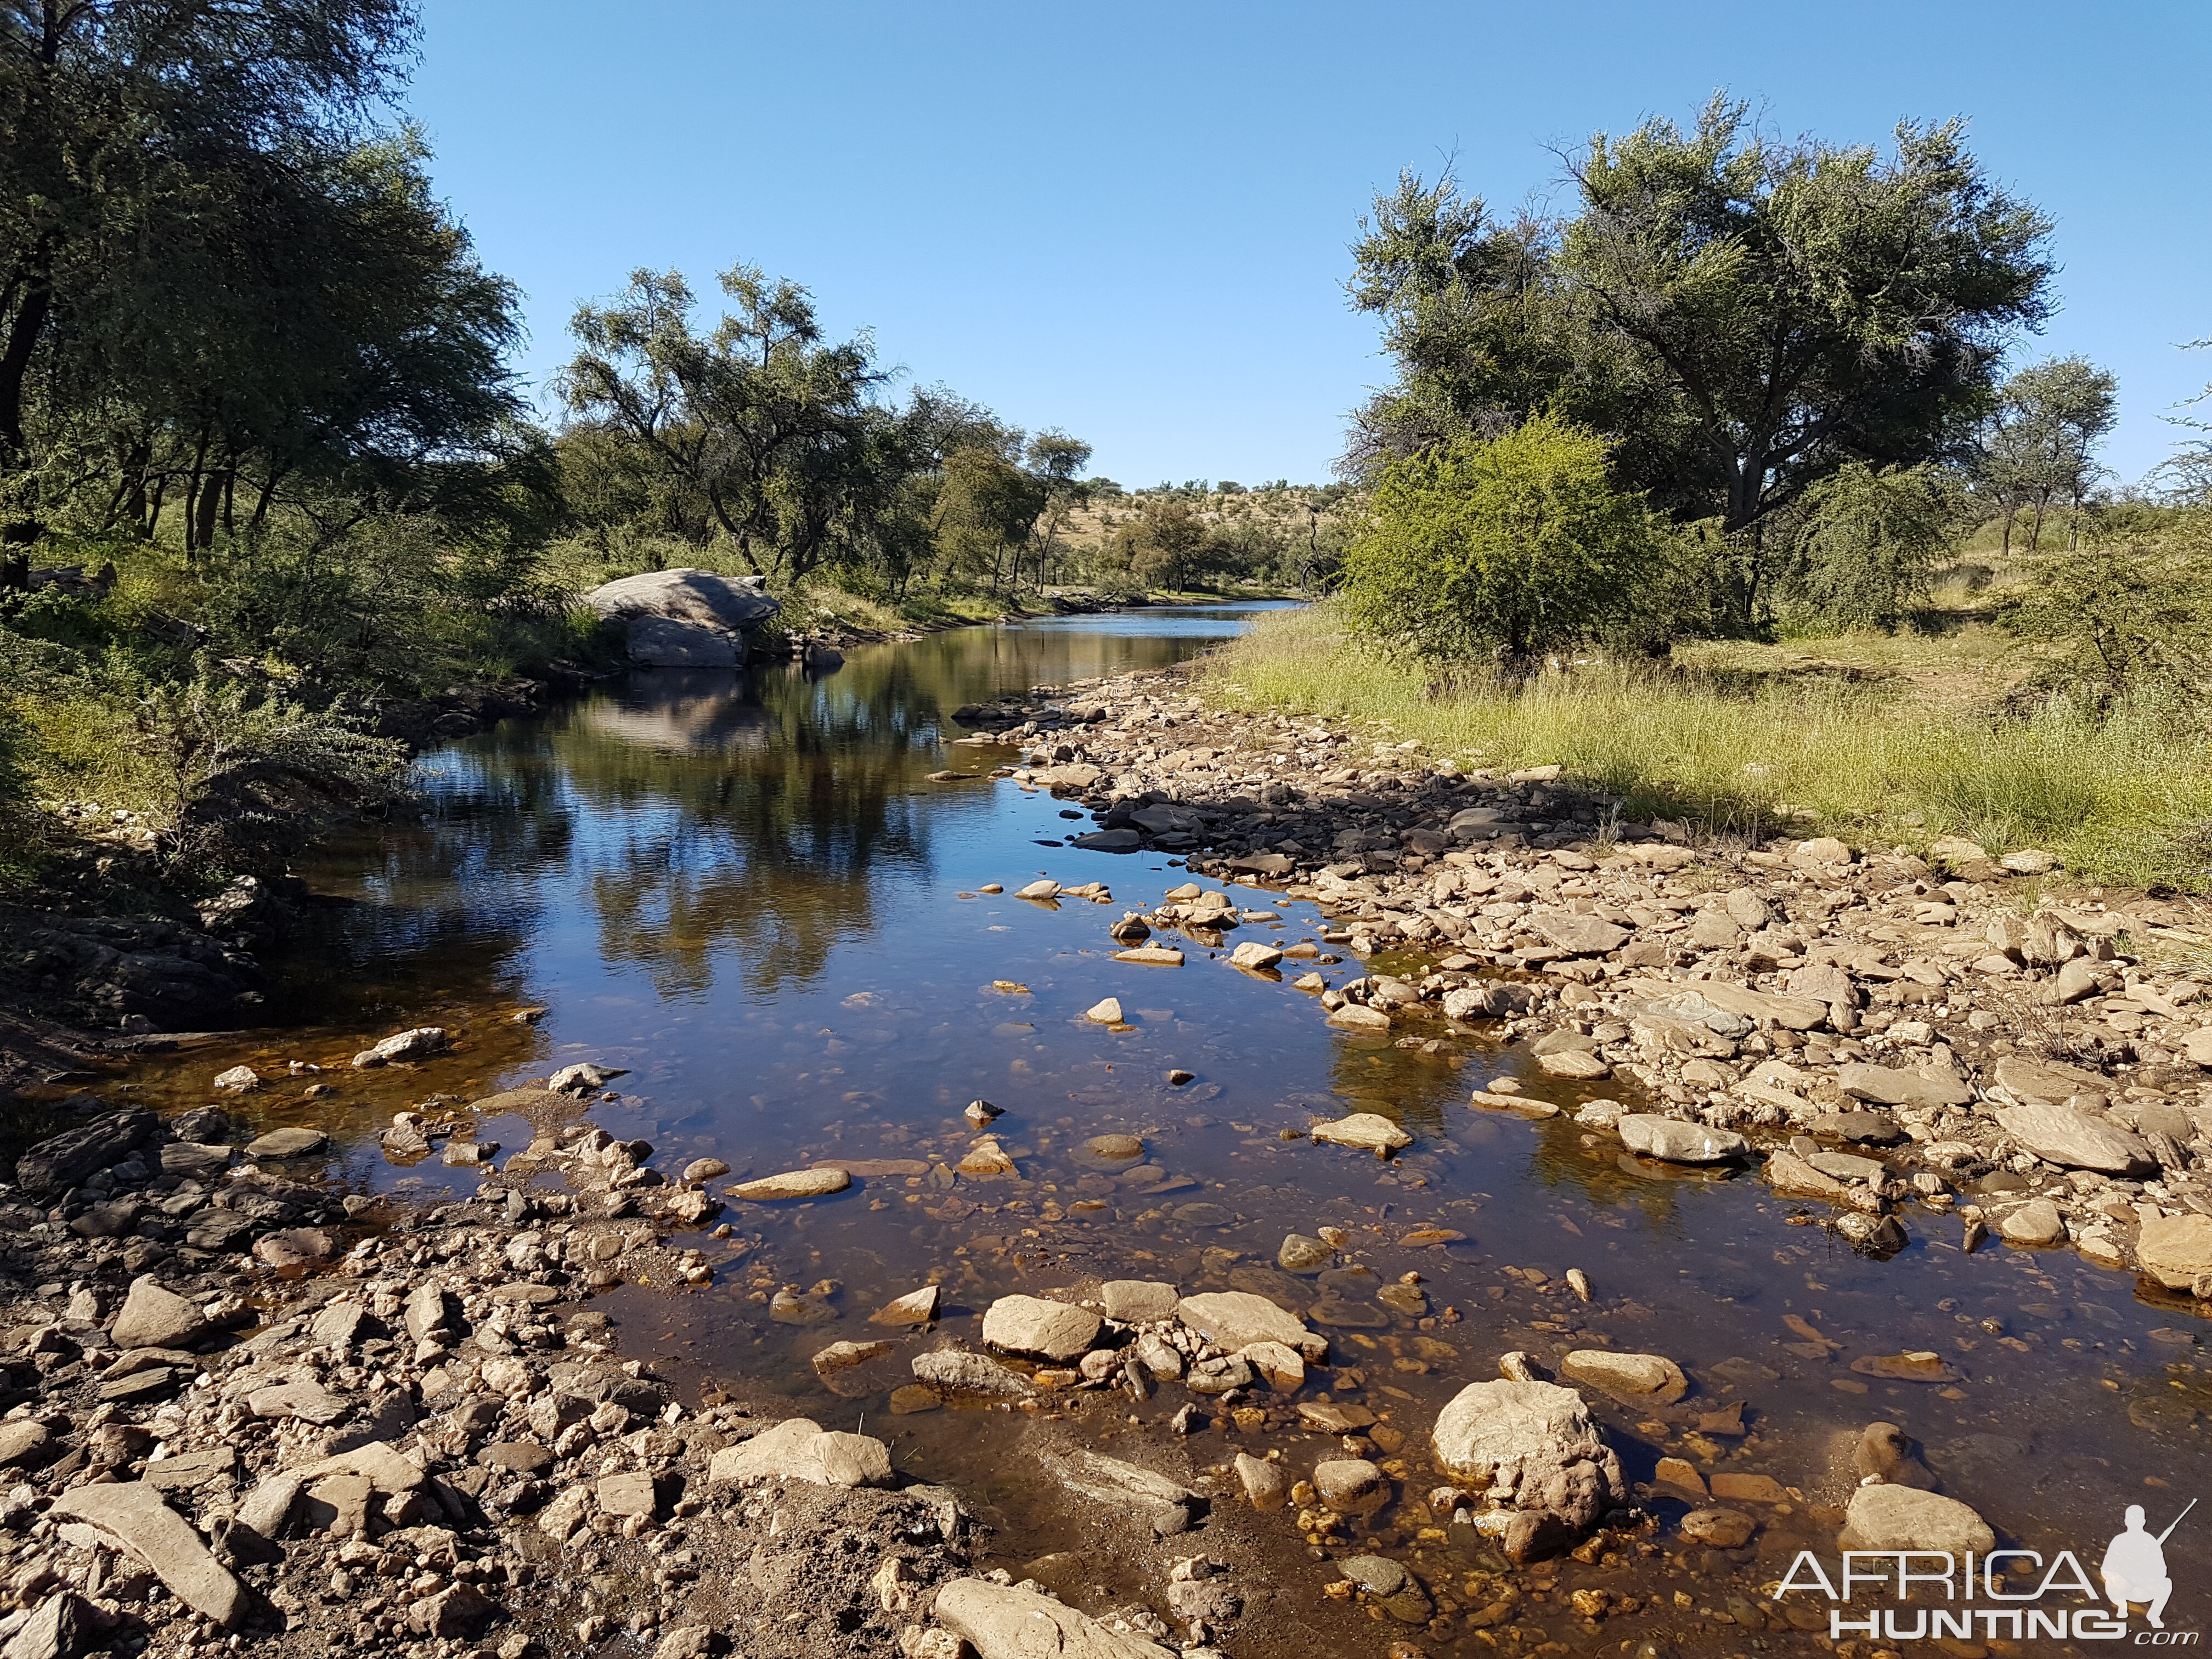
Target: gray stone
x: 1031, y: 1325
x: 914, y: 1307
x: 955, y: 1370
x: 412, y: 1045
x: 135, y: 1516
x: 2066, y: 1135
x: 1720, y: 1529
x: 288, y: 1143
x: 1887, y: 1518
x: 193, y: 1161
x: 1636, y: 1377
x: 1891, y: 1087
x: 1236, y: 1319
x: 1303, y: 1255
x: 1266, y: 1485
x: 1678, y: 1141
x: 2046, y: 1081
x: 430, y: 1311
x: 794, y: 1183
x: 1580, y: 936
x: 24, y: 1443
x: 56, y: 1164
x: 1534, y: 1446
x: 1139, y: 1301
x: 270, y: 1503
x: 801, y: 1450
x: 1127, y: 1488
x: 153, y: 1317
x: 684, y: 617
x: 1352, y: 1485
x: 1365, y: 1131
x: 2036, y: 1222
x: 1007, y: 1622
x: 1844, y: 1166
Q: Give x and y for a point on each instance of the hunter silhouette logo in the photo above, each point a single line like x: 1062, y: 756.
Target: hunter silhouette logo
x: 2134, y: 1569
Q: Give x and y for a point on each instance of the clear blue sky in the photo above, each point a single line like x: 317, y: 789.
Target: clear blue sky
x: 1131, y: 221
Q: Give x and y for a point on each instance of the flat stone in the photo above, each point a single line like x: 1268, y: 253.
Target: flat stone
x: 914, y: 1307
x: 1892, y: 1087
x: 24, y: 1443
x: 1578, y: 935
x: 1253, y: 955
x: 1844, y: 1166
x: 189, y: 1471
x: 1236, y: 1319
x: 1327, y: 1417
x: 955, y: 1370
x: 1750, y: 1489
x: 2066, y: 1135
x: 1266, y: 1485
x: 629, y: 1493
x: 1720, y: 1529
x: 1006, y: 1622
x: 1573, y: 1063
x: 1139, y: 1301
x: 1031, y: 1325
x: 1114, y: 1148
x: 1790, y: 1173
x: 793, y: 1183
x: 801, y: 1450
x: 294, y: 1247
x: 1155, y: 956
x: 1110, y: 840
x: 1127, y: 1488
x: 1356, y: 1017
x: 1890, y: 1517
x: 1365, y: 1131
x: 517, y: 1456
x: 413, y: 1044
x: 1678, y: 1141
x: 1865, y: 1128
x: 1630, y: 1377
x: 1300, y: 1254
x: 310, y: 1402
x: 153, y: 1317
x: 287, y: 1143
x: 135, y: 1515
x: 2177, y: 1249
x: 2046, y: 1081
x: 1107, y: 1012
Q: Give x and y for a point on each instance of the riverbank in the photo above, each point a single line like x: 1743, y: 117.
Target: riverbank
x: 1967, y: 1042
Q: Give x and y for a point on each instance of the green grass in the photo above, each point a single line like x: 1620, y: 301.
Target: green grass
x: 1877, y: 759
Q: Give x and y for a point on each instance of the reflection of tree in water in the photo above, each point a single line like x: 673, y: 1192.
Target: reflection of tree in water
x: 1427, y: 1095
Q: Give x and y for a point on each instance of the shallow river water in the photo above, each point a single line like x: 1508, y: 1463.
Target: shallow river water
x: 749, y: 892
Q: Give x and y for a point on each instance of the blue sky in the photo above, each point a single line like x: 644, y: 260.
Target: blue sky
x: 1131, y: 221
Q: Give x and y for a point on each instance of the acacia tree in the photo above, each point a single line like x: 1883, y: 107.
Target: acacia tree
x: 2039, y: 448
x: 143, y: 139
x: 1056, y: 461
x: 1741, y: 315
x: 759, y: 421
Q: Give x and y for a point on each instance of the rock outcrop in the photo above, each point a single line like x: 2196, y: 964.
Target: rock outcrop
x: 684, y: 618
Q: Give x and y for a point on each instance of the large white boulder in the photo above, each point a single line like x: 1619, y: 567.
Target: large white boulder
x: 1531, y: 1448
x: 684, y: 618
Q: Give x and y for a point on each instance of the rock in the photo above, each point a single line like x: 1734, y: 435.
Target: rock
x: 57, y: 1165
x: 309, y: 1403
x: 793, y: 1183
x: 1573, y: 1063
x: 1678, y: 1141
x: 1236, y: 1319
x: 2030, y: 861
x: 833, y: 1365
x: 288, y: 1143
x: 684, y: 617
x: 1047, y: 1330
x: 1635, y: 1378
x: 1497, y: 1001
x: 703, y: 1169
x: 1128, y: 1489
x: 1266, y: 1485
x: 1536, y: 1448
x: 194, y: 1161
x: 1253, y: 955
x: 403, y: 1045
x: 1153, y: 956
x: 583, y: 1078
x: 800, y: 1450
x: 2046, y: 1081
x: 240, y: 1078
x: 2070, y: 1137
x: 1352, y: 1485
x: 2177, y: 1250
x: 1846, y: 1167
x: 152, y: 1317
x: 630, y: 1492
x: 429, y: 1311
x: 1301, y: 1254
x: 1822, y: 852
x: 2037, y: 1222
x: 914, y: 1307
x: 1790, y: 1173
x: 1007, y: 1622
x: 1578, y: 936
x: 1897, y: 1088
x: 1866, y: 1128
x: 134, y: 1515
x: 955, y: 1370
x: 1115, y: 1148
x: 1038, y: 889
x: 1219, y: 1376
x: 1956, y: 852
x: 1367, y: 1131
x: 1720, y: 1529
x: 1282, y: 1365
x: 65, y: 1625
x: 1107, y: 1012
x: 24, y: 1443
x: 1110, y: 840
x: 456, y: 1611
x: 1885, y: 1452
x: 1139, y: 1301
x: 1887, y: 1518
x: 294, y: 1247
x: 693, y: 1641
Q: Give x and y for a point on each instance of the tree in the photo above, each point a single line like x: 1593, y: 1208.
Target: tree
x: 2190, y: 467
x: 1499, y: 551
x: 1741, y: 315
x: 152, y: 140
x: 986, y: 509
x: 1056, y: 461
x: 760, y: 422
x: 2041, y: 442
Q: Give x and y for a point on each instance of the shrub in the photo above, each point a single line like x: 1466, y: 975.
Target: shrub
x: 1499, y: 551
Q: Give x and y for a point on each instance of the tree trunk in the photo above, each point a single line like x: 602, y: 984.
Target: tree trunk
x: 2035, y: 531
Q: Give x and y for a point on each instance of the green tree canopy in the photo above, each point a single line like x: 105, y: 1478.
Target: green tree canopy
x: 1500, y: 551
x: 1740, y: 313
x: 2039, y: 448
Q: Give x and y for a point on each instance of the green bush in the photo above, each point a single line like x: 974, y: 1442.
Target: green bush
x: 1499, y: 552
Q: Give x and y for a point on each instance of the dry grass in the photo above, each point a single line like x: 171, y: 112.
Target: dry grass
x: 1739, y: 745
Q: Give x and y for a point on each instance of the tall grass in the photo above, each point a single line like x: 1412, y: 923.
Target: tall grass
x: 2127, y: 799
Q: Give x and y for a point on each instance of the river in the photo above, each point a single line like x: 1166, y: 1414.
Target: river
x: 750, y: 894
